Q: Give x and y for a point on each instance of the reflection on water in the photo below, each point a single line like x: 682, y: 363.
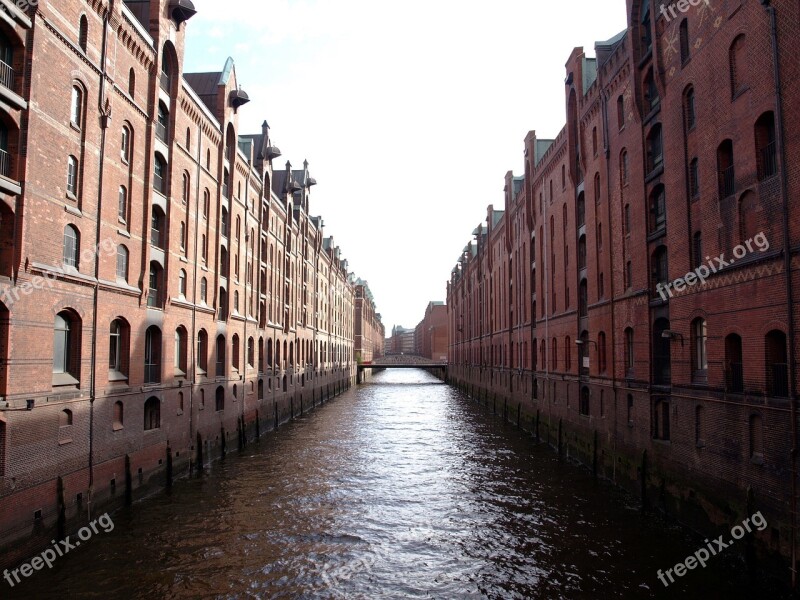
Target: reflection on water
x: 391, y: 491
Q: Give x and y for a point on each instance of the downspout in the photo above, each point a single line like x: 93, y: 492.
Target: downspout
x: 193, y: 341
x: 105, y: 117
x: 787, y: 267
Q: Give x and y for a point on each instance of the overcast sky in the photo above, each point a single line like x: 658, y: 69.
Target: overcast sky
x: 409, y: 113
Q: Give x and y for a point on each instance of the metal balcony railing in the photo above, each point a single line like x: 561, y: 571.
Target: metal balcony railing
x: 6, y: 75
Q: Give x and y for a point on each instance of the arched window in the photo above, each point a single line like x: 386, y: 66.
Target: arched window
x: 269, y: 354
x: 694, y: 178
x: 152, y: 355
x: 65, y: 418
x: 132, y: 83
x: 160, y: 174
x: 645, y: 32
x: 684, y: 41
x: 204, y: 290
x: 620, y: 112
x: 125, y: 144
x: 162, y: 123
x: 582, y: 252
x: 583, y: 298
x: 182, y: 283
x: 659, y: 269
x: 186, y: 188
x: 737, y: 57
x: 66, y: 349
x: 73, y: 176
x: 183, y: 237
x: 223, y: 222
x: 581, y: 210
x: 156, y: 285
x: 223, y: 304
x: 623, y: 167
x: 777, y: 365
x: 71, y: 247
x: 76, y: 107
x: 629, y: 356
x: 220, y: 352
x: 734, y: 367
x: 166, y: 72
x: 188, y: 138
x: 727, y: 179
x: 158, y: 222
x: 122, y: 204
x: 697, y: 249
x: 118, y: 343
x: 602, y: 363
x: 568, y: 354
x: 202, y: 350
x: 119, y: 416
x: 699, y: 354
x: 236, y: 300
x: 658, y: 209
x: 662, y: 357
x: 206, y: 203
x: 181, y: 356
x: 152, y: 414
x: 655, y: 155
x: 251, y: 352
x: 597, y: 191
x: 83, y: 33
x: 651, y: 91
x: 661, y: 419
x: 584, y: 403
x: 219, y: 404
x: 766, y: 149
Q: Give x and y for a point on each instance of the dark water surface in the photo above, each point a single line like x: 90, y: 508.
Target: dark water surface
x: 401, y: 488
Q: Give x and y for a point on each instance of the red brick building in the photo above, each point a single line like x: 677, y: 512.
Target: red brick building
x: 431, y: 335
x: 166, y: 293
x: 402, y: 341
x: 564, y: 309
x: 370, y: 332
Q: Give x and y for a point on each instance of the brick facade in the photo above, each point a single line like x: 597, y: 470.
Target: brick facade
x: 370, y: 333
x: 166, y: 293
x: 676, y: 149
x: 431, y: 335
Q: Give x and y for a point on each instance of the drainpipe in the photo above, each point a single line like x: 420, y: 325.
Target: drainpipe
x: 105, y: 118
x: 787, y: 267
x: 193, y: 341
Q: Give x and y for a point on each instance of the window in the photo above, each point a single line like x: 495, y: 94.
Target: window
x: 183, y: 236
x: 694, y: 179
x: 157, y: 227
x: 188, y: 138
x: 697, y: 249
x: 66, y: 348
x: 662, y: 353
x: 185, y: 188
x: 581, y: 210
x: 584, y: 403
x: 132, y: 83
x: 152, y: 355
x: 204, y: 290
x: 71, y: 247
x: 734, y: 368
x: 159, y: 174
x: 152, y: 414
x: 236, y: 301
x: 202, y: 350
x: 655, y: 157
x: 597, y: 191
x: 699, y: 338
x: 182, y: 283
x: 582, y: 252
x: 181, y: 359
x: 620, y: 112
x: 119, y: 334
x: 251, y: 352
x: 65, y: 418
x: 72, y: 176
x: 727, y: 179
x: 627, y: 223
x: 629, y: 357
x: 223, y: 304
x: 76, y: 107
x: 689, y: 109
x: 83, y: 33
x: 623, y: 167
x: 661, y: 419
x: 659, y: 267
x: 601, y: 352
x: 219, y: 404
x: 220, y: 353
x: 766, y: 156
x: 630, y: 409
x: 166, y: 73
x: 223, y: 223
x: 206, y: 203
x: 122, y: 204
x: 162, y: 122
x: 594, y: 141
x: 568, y: 354
x: 651, y: 91
x: 125, y: 144
x: 646, y: 35
x: 119, y: 416
x: 658, y: 209
x: 156, y: 284
x: 583, y: 298
x: 235, y: 352
x: 684, y: 41
x: 777, y: 375
x: 122, y: 263
x: 628, y: 275
x: 737, y: 59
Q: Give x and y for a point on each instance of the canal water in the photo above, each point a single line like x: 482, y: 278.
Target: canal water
x: 400, y: 488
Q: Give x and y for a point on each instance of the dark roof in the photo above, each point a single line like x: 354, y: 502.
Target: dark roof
x: 279, y: 183
x: 205, y: 85
x: 257, y: 139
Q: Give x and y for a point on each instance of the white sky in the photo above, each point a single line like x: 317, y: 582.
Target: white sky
x: 409, y: 113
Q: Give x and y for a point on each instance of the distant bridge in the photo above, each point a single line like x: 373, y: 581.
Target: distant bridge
x: 402, y: 361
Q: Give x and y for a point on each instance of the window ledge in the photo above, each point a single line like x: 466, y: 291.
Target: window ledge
x: 124, y: 233
x: 71, y: 209
x: 117, y: 376
x: 63, y: 379
x: 117, y: 427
